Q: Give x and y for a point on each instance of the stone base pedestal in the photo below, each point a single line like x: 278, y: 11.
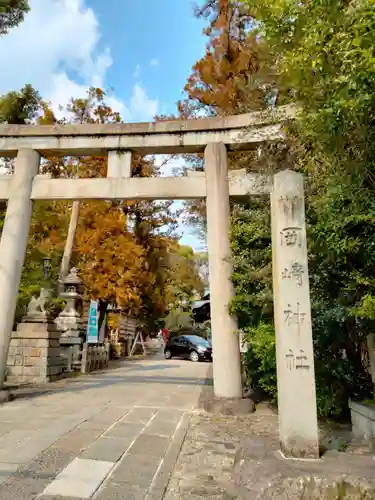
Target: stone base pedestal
x: 71, y: 349
x: 261, y: 472
x: 34, y: 354
x: 234, y: 406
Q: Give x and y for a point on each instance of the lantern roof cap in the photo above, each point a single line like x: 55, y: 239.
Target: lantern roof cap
x: 72, y: 278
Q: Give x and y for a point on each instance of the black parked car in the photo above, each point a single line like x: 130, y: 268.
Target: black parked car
x: 188, y: 346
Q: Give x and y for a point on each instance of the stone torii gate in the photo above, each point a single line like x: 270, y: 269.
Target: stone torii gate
x: 214, y: 136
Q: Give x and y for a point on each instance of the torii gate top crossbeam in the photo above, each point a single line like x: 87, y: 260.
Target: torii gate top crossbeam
x: 239, y: 132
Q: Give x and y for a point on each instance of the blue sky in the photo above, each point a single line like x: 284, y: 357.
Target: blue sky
x: 161, y: 38
x: 141, y: 51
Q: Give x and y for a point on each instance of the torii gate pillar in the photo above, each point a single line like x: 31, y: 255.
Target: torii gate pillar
x: 225, y: 344
x: 13, y: 244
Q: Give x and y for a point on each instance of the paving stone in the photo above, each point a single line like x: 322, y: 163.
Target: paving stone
x: 6, y: 427
x: 59, y: 429
x: 6, y: 471
x: 146, y: 444
x: 81, y: 478
x: 86, y: 412
x: 136, y: 470
x: 14, y: 438
x: 157, y: 401
x: 168, y: 416
x: 139, y: 415
x: 57, y: 497
x: 21, y: 488
x: 78, y: 439
x: 182, y: 403
x: 18, y: 455
x: 94, y: 424
x: 107, y: 449
x: 28, y: 450
x: 162, y: 478
x: 109, y: 415
x: 125, y: 430
x: 120, y: 492
x: 35, y: 425
x: 161, y: 428
x: 48, y: 464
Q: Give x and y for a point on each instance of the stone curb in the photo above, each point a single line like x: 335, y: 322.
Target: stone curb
x: 161, y: 480
x: 6, y: 395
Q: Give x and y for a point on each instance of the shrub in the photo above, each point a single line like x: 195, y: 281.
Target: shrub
x: 336, y: 379
x: 260, y: 358
x: 177, y: 318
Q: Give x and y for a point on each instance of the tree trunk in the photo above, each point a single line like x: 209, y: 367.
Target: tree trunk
x: 68, y: 250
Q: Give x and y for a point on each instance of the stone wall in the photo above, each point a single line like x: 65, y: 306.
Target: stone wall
x: 34, y: 354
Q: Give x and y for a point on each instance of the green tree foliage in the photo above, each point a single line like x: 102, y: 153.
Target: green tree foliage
x: 252, y: 272
x: 321, y: 56
x: 47, y: 233
x: 182, y: 280
x: 178, y: 319
x: 12, y: 13
x: 324, y: 54
x: 260, y: 358
x: 20, y: 107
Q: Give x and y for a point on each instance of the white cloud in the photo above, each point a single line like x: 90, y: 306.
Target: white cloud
x: 120, y: 107
x: 63, y: 89
x: 141, y: 106
x: 57, y: 36
x: 154, y: 62
x: 60, y: 38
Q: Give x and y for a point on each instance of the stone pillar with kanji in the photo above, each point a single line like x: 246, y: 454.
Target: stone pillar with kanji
x: 292, y: 310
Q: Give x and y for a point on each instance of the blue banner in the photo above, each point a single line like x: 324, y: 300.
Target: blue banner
x: 92, y: 326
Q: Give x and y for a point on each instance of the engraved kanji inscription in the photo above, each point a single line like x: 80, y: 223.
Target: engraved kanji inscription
x: 295, y: 272
x: 290, y: 205
x: 291, y: 236
x: 294, y: 316
x: 299, y: 362
x: 290, y: 360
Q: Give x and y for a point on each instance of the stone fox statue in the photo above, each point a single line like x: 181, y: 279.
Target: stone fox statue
x: 37, y: 305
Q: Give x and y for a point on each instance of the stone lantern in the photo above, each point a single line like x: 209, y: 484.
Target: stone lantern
x: 69, y: 321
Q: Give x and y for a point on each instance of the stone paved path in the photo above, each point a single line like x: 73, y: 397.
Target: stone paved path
x: 106, y: 436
